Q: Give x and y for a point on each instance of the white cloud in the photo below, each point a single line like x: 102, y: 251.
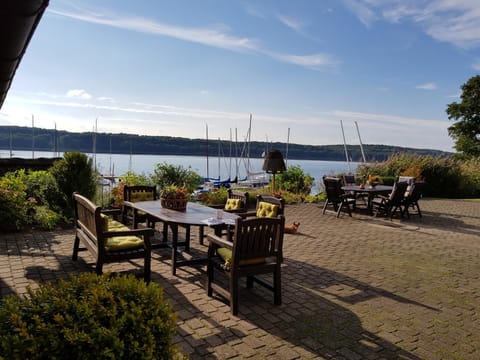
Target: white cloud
x: 314, y: 61
x: 361, y: 11
x: 426, y: 86
x: 78, y: 94
x: 106, y: 98
x: 453, y: 21
x: 206, y: 36
x: 290, y: 22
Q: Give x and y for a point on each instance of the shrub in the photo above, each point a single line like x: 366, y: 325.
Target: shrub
x: 294, y: 180
x: 131, y: 179
x: 217, y: 197
x: 167, y: 174
x: 73, y: 173
x: 28, y: 198
x: 444, y: 176
x: 46, y: 218
x: 13, y: 210
x: 88, y: 317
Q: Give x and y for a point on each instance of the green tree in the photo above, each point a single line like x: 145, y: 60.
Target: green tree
x: 466, y: 130
x: 167, y: 174
x: 295, y: 181
x: 74, y: 173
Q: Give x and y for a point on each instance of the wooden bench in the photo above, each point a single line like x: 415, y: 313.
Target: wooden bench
x: 106, y: 239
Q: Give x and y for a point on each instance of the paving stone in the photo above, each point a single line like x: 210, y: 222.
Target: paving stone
x: 357, y: 287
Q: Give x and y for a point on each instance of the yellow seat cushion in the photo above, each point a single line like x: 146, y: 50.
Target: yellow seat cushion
x: 120, y: 242
x: 105, y: 219
x: 141, y: 196
x: 114, y: 225
x: 123, y: 243
x: 266, y: 209
x: 226, y: 255
x: 233, y: 204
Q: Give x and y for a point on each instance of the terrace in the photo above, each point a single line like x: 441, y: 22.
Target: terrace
x: 353, y: 288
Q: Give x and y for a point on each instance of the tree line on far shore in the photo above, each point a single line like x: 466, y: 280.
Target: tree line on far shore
x: 26, y: 139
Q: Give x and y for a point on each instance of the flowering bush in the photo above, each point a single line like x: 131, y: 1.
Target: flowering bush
x: 174, y: 192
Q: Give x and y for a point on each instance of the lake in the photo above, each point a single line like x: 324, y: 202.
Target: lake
x: 223, y: 167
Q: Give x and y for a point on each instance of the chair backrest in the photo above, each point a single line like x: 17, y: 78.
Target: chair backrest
x: 398, y: 193
x: 408, y: 179
x: 279, y: 202
x: 416, y: 192
x: 258, y: 238
x: 333, y: 188
x: 241, y: 196
x: 349, y: 179
x: 135, y: 193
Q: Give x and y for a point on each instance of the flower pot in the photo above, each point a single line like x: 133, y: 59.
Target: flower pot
x: 179, y: 204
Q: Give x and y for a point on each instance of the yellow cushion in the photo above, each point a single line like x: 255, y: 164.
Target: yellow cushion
x: 141, y: 196
x: 226, y: 255
x: 121, y: 242
x: 233, y: 204
x: 266, y: 209
x: 105, y: 219
x: 114, y: 225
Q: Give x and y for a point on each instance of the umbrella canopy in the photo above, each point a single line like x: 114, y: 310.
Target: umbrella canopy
x: 18, y: 21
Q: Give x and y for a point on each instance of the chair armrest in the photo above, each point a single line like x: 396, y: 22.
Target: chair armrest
x: 113, y: 211
x: 246, y: 214
x: 128, y: 204
x: 380, y: 199
x: 221, y: 242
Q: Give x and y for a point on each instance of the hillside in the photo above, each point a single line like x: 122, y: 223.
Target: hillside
x: 23, y: 138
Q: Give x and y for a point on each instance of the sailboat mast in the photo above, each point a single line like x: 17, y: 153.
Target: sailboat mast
x: 286, y: 150
x: 361, y: 145
x: 219, y: 148
x: 236, y: 153
x: 94, y: 147
x: 248, y: 143
x: 206, y: 128
x: 230, y: 156
x: 33, y: 138
x: 345, y: 147
x: 11, y: 143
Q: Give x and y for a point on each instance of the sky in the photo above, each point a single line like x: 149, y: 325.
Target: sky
x: 301, y: 68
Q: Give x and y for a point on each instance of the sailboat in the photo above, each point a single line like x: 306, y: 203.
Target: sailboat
x: 252, y: 179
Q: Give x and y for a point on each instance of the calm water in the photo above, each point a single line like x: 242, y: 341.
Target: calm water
x: 120, y: 164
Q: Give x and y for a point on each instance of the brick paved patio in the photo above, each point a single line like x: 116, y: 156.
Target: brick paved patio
x: 353, y: 288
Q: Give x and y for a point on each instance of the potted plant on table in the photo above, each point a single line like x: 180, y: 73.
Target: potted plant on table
x: 174, y: 197
x: 373, y: 180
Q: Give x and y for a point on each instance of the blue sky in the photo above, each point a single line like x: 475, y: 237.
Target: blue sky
x: 170, y: 68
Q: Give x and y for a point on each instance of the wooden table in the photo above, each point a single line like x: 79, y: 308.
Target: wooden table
x: 194, y: 215
x: 370, y: 191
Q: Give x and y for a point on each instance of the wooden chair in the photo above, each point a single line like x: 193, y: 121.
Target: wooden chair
x: 388, y: 206
x: 277, y: 202
x: 349, y: 179
x: 411, y: 199
x: 336, y: 197
x: 108, y: 240
x: 254, y: 248
x: 137, y: 193
x: 237, y: 202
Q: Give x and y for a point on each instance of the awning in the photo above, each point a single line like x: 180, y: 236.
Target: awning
x: 18, y: 21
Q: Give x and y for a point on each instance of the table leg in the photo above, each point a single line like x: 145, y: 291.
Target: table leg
x: 187, y: 238
x: 174, y: 228
x: 201, y: 233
